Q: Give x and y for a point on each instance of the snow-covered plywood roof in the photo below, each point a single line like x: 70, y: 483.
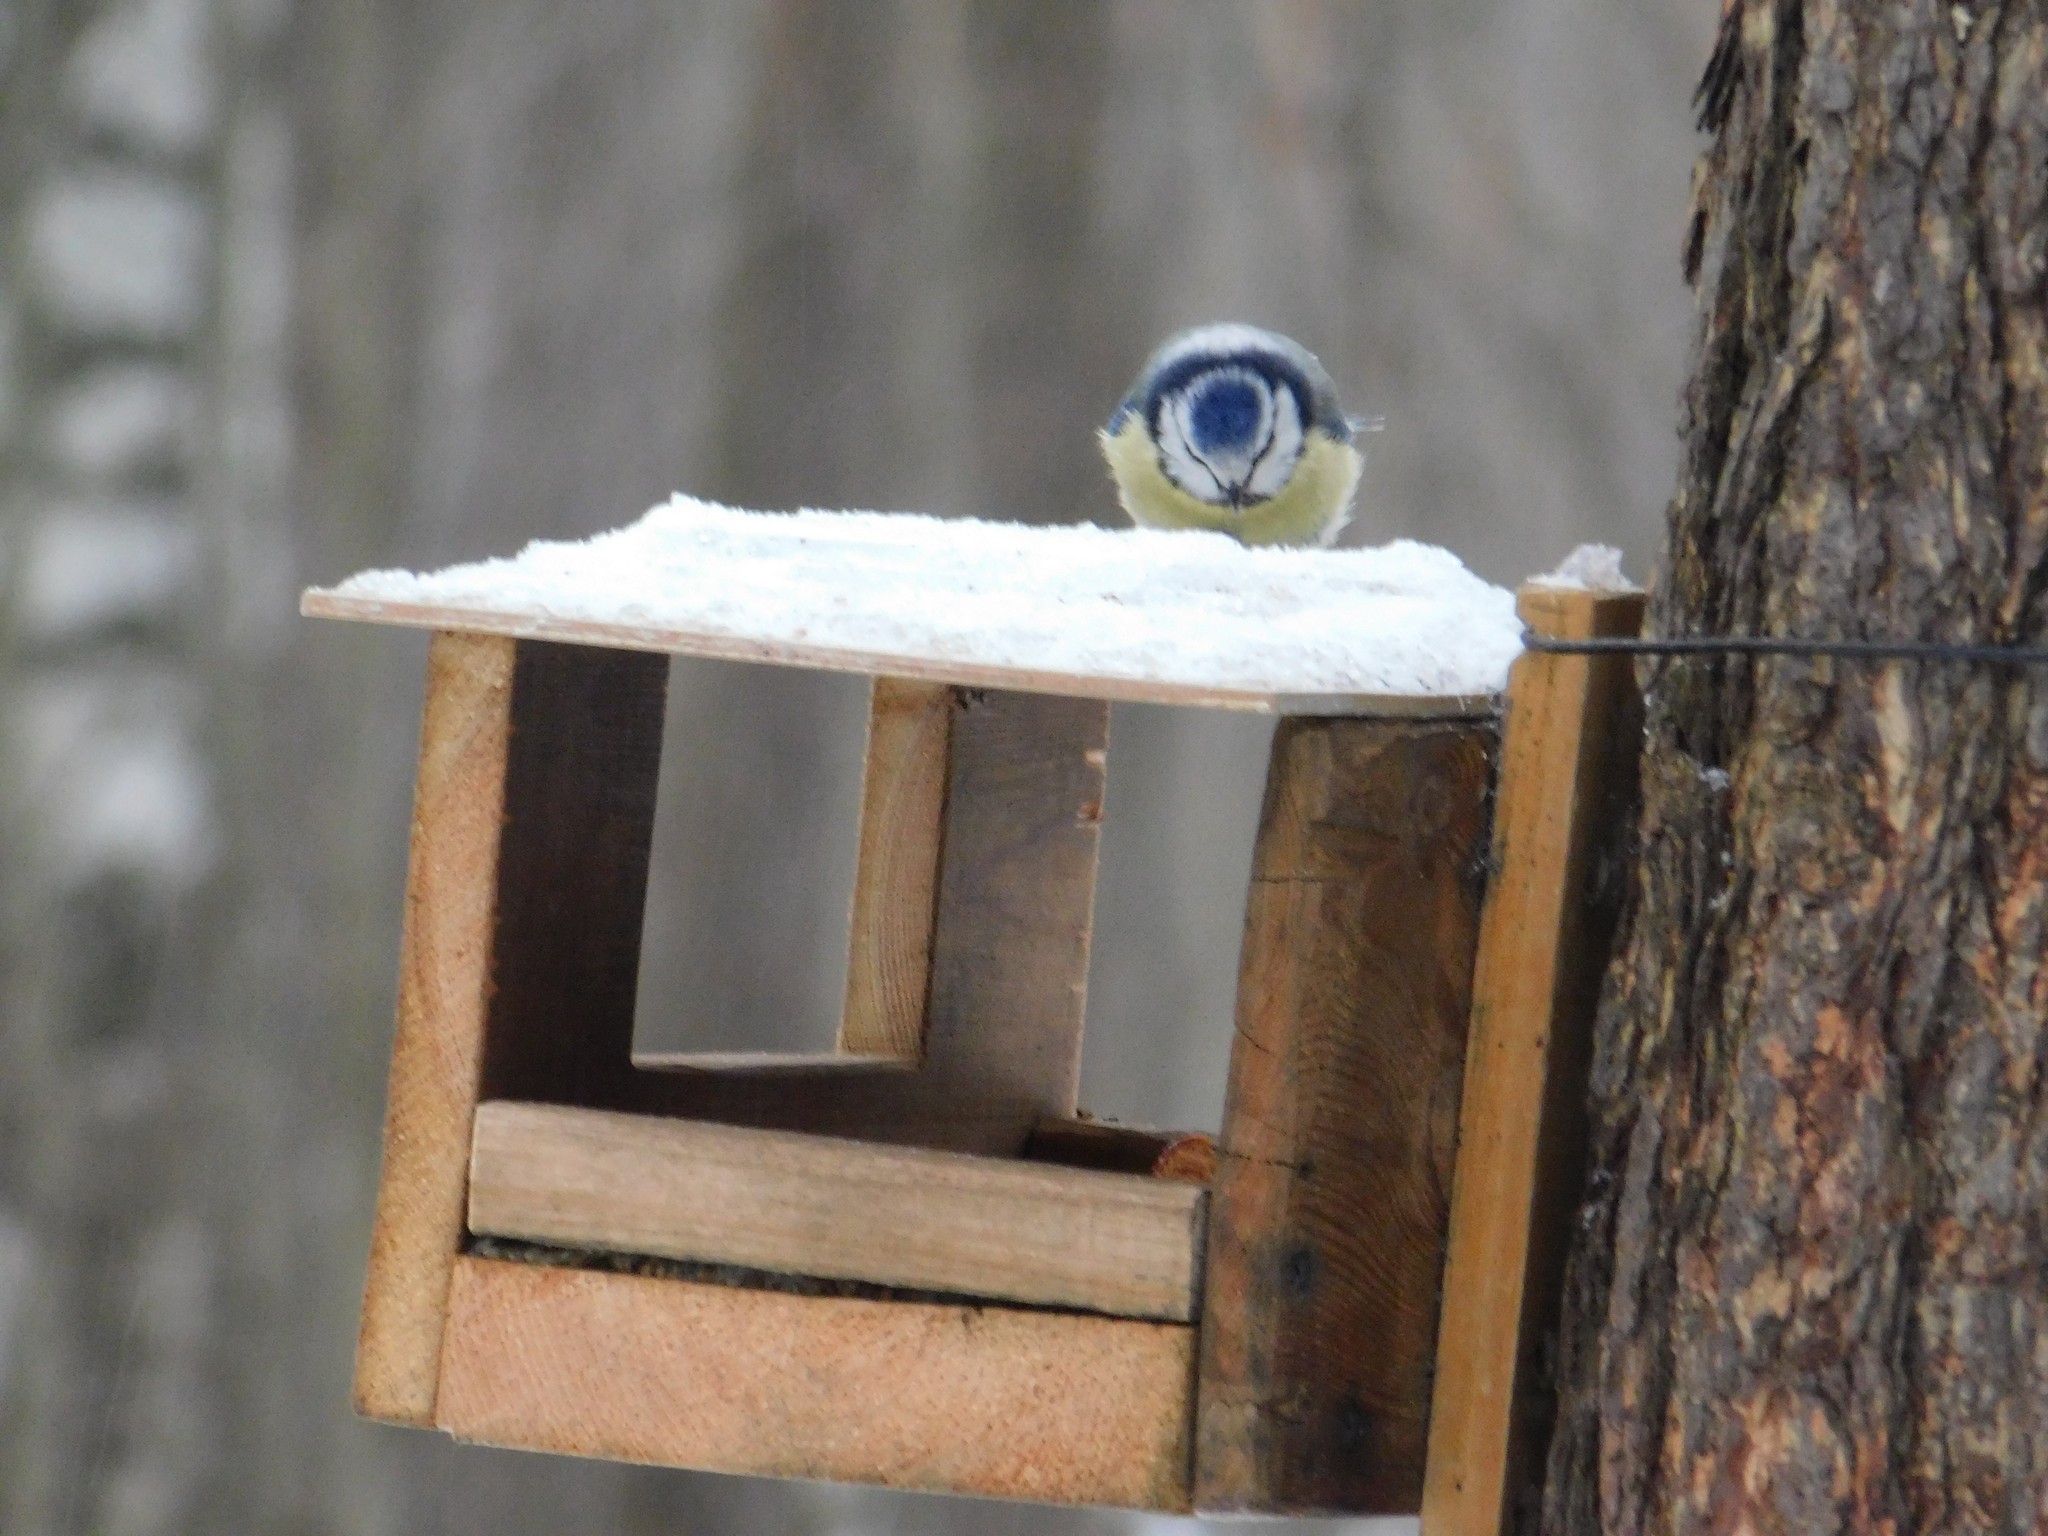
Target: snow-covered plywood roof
x: 1175, y: 618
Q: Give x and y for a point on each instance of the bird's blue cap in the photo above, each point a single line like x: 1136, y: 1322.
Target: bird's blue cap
x: 1226, y: 412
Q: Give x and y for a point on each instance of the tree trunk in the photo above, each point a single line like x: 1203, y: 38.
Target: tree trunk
x: 1810, y: 1287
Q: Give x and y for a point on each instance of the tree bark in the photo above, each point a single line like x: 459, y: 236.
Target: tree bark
x: 1810, y: 1286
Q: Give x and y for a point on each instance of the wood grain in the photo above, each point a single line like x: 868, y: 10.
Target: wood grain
x: 1016, y: 914
x: 323, y: 604
x: 1190, y: 1159
x: 895, y: 891
x: 531, y: 819
x: 1188, y: 1155
x: 1025, y: 1405
x: 1331, y: 1196
x: 819, y: 1206
x: 808, y: 1071
x: 437, y: 1050
x: 1567, y: 776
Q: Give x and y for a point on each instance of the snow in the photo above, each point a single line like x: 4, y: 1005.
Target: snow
x: 1589, y: 568
x: 856, y: 589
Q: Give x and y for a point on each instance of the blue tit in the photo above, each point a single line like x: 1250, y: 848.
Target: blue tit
x: 1238, y: 430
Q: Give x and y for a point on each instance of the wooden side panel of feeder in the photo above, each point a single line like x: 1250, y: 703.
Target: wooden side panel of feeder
x: 1012, y: 916
x: 1047, y: 1406
x: 532, y: 814
x: 1574, y: 726
x: 903, y: 807
x: 1332, y: 1192
x: 1015, y: 919
x: 820, y: 1206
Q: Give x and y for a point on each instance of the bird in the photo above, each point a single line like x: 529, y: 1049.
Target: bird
x: 1236, y: 429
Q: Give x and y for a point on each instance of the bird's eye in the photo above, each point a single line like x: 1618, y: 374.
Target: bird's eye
x: 1224, y: 413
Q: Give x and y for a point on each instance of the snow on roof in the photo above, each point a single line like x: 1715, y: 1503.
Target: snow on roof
x: 1175, y: 617
x: 1589, y: 568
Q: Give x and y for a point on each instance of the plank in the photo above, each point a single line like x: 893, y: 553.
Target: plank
x: 322, y: 604
x: 1328, y: 1210
x: 572, y: 872
x: 437, y: 1049
x: 1009, y: 970
x: 1567, y: 777
x: 1045, y: 1406
x: 1016, y: 916
x: 903, y: 806
x: 1188, y: 1155
x: 819, y: 1206
x: 808, y: 1071
x: 1190, y: 1158
x: 532, y: 811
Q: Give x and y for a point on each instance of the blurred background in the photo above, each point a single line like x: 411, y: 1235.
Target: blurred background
x: 294, y: 287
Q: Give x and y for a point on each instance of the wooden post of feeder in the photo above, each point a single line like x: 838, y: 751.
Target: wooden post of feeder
x: 1566, y: 783
x: 1332, y: 1189
x: 531, y: 822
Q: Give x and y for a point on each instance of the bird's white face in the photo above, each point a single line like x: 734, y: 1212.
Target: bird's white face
x: 1230, y: 436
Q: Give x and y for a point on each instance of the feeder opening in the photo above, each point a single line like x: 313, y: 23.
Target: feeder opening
x: 750, y: 881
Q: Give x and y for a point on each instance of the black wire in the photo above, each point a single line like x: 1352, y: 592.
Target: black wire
x: 1771, y: 645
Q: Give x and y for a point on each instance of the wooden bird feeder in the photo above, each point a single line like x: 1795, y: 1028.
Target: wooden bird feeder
x: 913, y: 1263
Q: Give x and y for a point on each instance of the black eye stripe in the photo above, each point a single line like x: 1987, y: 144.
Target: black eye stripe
x: 1272, y: 442
x: 1173, y: 477
x: 1186, y: 445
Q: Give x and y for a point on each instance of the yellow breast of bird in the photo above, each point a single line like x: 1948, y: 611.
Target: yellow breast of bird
x: 1307, y: 510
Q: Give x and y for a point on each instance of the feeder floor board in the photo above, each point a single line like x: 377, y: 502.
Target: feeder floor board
x: 1114, y: 1243
x: 1049, y: 1406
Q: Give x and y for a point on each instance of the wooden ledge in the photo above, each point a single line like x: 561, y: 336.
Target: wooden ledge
x: 1113, y: 1243
x: 953, y: 1399
x: 768, y: 1063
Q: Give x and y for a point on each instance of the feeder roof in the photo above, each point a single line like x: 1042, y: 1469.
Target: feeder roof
x: 1160, y: 617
